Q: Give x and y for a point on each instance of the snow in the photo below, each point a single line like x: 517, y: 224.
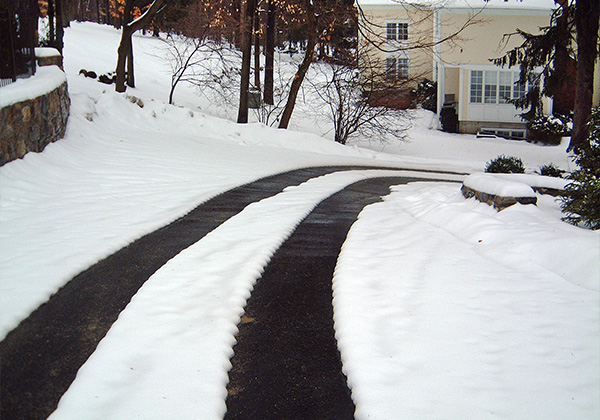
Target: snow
x: 45, y: 80
x: 501, y: 187
x: 536, y: 181
x: 444, y: 308
x: 466, y: 153
x: 46, y: 52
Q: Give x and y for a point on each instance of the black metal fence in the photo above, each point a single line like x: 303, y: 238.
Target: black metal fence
x: 18, y: 26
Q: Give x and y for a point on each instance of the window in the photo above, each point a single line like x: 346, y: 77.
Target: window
x: 509, y: 133
x: 397, y: 31
x: 496, y: 87
x: 476, y: 87
x: 390, y: 66
x: 397, y: 67
x: 518, y: 89
x: 403, y: 68
x: 504, y: 86
x: 490, y: 87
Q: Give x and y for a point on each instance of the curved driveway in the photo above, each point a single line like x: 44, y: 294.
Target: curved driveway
x: 40, y: 357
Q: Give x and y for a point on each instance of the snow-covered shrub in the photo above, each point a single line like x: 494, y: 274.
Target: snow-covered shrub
x: 552, y: 170
x: 581, y: 201
x: 505, y: 165
x: 425, y: 95
x: 549, y: 129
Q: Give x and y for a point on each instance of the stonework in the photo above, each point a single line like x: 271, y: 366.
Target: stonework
x: 53, y: 60
x: 498, y: 202
x: 29, y: 126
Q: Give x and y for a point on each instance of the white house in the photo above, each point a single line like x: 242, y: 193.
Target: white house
x: 459, y: 38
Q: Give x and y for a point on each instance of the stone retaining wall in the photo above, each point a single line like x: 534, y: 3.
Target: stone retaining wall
x: 30, y: 125
x: 50, y: 60
x: 496, y: 201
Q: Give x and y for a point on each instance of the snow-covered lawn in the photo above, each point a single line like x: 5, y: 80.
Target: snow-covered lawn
x: 444, y: 308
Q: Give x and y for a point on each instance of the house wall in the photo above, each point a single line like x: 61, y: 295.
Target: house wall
x: 453, y: 82
x: 482, y: 39
x: 420, y: 34
x: 472, y: 48
x: 475, y: 39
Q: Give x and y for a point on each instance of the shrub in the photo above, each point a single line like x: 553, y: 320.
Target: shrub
x: 581, y: 201
x: 449, y: 119
x: 551, y: 170
x: 549, y: 129
x: 505, y: 165
x: 425, y: 95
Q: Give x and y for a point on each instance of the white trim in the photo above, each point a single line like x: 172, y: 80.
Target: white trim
x: 487, y: 67
x: 500, y: 11
x: 438, y: 67
x: 461, y: 100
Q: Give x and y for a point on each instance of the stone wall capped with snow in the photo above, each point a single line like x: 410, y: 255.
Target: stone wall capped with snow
x: 33, y: 113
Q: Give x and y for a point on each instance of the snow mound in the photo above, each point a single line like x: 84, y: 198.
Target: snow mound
x: 489, y: 184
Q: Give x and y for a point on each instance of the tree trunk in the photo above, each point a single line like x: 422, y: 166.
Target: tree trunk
x: 125, y: 47
x: 256, y: 50
x: 123, y: 53
x: 59, y: 27
x: 303, y: 68
x: 127, y: 18
x: 270, y: 52
x: 564, y: 67
x: 587, y: 15
x: 51, y: 29
x: 246, y: 32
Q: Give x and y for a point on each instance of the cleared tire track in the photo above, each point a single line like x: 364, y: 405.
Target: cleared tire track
x: 286, y: 363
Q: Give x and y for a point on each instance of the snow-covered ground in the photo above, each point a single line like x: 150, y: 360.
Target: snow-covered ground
x: 444, y: 308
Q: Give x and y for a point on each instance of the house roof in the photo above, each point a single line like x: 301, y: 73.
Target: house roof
x: 546, y: 5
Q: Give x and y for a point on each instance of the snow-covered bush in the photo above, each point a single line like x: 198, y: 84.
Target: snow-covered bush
x: 505, y: 165
x: 425, y: 95
x: 552, y: 170
x: 581, y: 201
x: 549, y: 129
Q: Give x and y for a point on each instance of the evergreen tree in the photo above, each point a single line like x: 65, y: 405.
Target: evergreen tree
x: 551, y: 50
x: 581, y: 202
x: 576, y: 21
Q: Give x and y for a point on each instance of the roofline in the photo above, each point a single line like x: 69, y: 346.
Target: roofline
x: 462, y: 9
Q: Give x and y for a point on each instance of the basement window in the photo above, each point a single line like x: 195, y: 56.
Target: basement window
x: 507, y: 133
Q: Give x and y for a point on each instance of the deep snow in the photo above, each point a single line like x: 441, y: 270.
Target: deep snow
x: 464, y: 312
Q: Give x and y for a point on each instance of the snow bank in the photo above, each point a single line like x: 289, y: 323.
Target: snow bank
x: 45, y: 80
x: 497, y: 186
x: 46, y: 52
x: 446, y: 309
x: 535, y: 181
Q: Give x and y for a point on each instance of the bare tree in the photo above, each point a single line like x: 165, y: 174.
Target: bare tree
x: 311, y: 21
x: 184, y: 59
x: 269, y: 51
x: 247, y: 52
x: 350, y: 96
x: 125, y: 50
